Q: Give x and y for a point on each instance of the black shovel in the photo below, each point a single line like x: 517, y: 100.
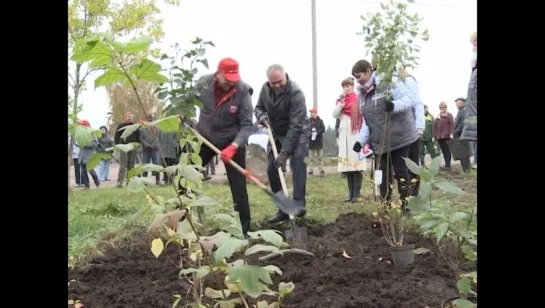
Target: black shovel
x: 281, y: 201
x: 298, y: 235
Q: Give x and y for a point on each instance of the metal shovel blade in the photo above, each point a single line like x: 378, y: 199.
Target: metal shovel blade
x: 297, y: 235
x: 286, y: 205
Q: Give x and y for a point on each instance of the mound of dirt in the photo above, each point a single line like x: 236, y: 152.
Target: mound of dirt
x: 131, y: 277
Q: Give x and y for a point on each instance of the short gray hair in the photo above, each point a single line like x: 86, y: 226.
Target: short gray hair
x: 275, y: 67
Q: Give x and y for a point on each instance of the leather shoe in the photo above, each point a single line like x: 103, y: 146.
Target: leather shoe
x: 278, y: 217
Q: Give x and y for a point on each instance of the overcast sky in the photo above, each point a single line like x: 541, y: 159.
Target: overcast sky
x: 260, y: 33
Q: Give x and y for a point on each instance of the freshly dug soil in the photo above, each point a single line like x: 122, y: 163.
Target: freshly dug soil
x: 132, y: 277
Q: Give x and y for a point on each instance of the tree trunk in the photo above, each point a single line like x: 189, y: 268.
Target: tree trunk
x: 77, y: 87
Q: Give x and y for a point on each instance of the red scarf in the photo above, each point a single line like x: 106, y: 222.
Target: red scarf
x: 351, y: 108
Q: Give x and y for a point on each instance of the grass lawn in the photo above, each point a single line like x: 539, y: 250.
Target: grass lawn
x: 106, y: 215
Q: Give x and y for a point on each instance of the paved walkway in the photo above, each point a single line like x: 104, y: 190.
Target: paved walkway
x: 218, y: 177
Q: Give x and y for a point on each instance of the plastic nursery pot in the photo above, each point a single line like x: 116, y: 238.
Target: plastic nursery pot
x: 447, y: 303
x: 403, y: 255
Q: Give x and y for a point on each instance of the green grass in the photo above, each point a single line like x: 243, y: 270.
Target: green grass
x: 106, y: 215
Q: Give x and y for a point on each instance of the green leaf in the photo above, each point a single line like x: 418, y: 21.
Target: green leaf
x: 457, y: 216
x: 137, y: 45
x: 137, y: 184
x: 196, y: 159
x: 285, y: 288
x: 129, y: 130
x: 84, y: 135
x: 448, y: 187
x: 126, y: 147
x: 260, y: 248
x: 112, y: 75
x: 252, y: 279
x: 231, y: 303
x: 269, y: 236
x: 205, y: 201
x: 95, y: 159
x: 421, y: 250
x: 227, y: 247
x: 200, y: 272
x: 100, y: 55
x: 171, y: 169
x: 216, y: 294
x: 418, y: 202
x: 469, y: 253
x: 272, y: 269
x: 463, y: 303
x: 416, y: 169
x: 168, y: 124
x: 191, y: 174
x: 148, y: 70
x: 425, y: 189
x: 434, y: 167
x: 464, y: 286
x: 150, y: 168
x: 442, y: 230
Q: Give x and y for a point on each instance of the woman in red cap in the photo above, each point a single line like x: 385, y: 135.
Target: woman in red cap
x: 351, y: 163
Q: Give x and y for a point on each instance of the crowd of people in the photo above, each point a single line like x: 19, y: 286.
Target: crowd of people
x: 373, y: 121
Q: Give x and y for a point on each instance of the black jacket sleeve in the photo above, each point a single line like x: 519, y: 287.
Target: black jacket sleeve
x: 298, y: 115
x: 118, y: 133
x: 245, y: 117
x: 337, y: 124
x: 320, y: 127
x: 260, y: 106
x: 459, y: 123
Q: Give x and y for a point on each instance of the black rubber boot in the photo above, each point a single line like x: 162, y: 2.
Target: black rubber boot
x: 358, y: 178
x: 350, y: 182
x: 278, y: 217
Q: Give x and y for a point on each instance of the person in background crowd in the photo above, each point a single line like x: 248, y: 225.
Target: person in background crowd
x: 77, y: 171
x: 85, y: 154
x: 418, y: 113
x: 169, y: 143
x: 316, y: 142
x: 226, y: 121
x: 104, y: 142
x: 470, y: 125
x: 461, y: 149
x: 390, y: 149
x: 282, y: 104
x: 211, y: 168
x: 126, y: 160
x: 427, y: 140
x: 149, y: 137
x: 444, y: 128
x: 351, y: 163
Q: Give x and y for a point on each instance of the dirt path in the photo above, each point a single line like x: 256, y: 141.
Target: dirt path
x: 219, y: 176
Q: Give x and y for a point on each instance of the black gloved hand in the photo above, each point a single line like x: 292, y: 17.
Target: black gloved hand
x: 337, y: 134
x: 389, y: 106
x: 357, y: 147
x: 264, y: 120
x: 280, y: 160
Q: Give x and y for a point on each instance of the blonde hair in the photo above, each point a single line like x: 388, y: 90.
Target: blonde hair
x: 347, y: 81
x: 403, y: 72
x: 443, y: 104
x: 473, y: 37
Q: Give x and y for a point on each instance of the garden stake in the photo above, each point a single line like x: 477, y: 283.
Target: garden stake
x: 298, y: 235
x: 282, y: 202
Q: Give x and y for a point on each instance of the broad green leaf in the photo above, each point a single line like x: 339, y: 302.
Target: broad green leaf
x: 196, y: 159
x: 457, y: 216
x: 464, y: 286
x: 126, y: 147
x: 112, y: 75
x: 260, y: 248
x: 412, y: 166
x: 228, y: 247
x: 137, y: 45
x: 463, y: 303
x: 148, y: 70
x: 442, y: 230
x: 204, y: 201
x: 231, y: 303
x: 95, y: 159
x: 150, y: 168
x: 136, y: 184
x: 99, y: 56
x: 448, y: 187
x: 168, y: 124
x: 129, y: 130
x: 469, y: 253
x: 421, y: 250
x: 418, y: 202
x: 262, y: 304
x: 191, y: 174
x: 213, y: 293
x: 425, y: 189
x: 269, y: 236
x: 199, y: 272
x: 285, y: 288
x: 253, y: 279
x: 157, y: 247
x: 171, y: 169
x: 273, y: 269
x: 434, y: 167
x: 185, y: 232
x: 84, y: 135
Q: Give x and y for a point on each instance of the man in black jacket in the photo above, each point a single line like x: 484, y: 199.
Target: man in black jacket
x: 126, y: 160
x: 316, y: 143
x: 282, y: 104
x: 226, y: 121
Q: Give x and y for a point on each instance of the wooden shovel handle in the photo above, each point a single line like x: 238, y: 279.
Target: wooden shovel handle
x: 275, y: 152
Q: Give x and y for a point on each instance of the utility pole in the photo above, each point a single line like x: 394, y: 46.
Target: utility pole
x: 314, y: 58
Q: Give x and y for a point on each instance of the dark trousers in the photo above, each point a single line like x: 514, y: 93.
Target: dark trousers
x: 466, y: 163
x: 237, y: 183
x: 354, y: 180
x: 169, y: 162
x: 399, y: 169
x: 414, y: 155
x: 445, y: 149
x: 85, y: 176
x: 126, y: 163
x: 298, y: 169
x: 77, y: 171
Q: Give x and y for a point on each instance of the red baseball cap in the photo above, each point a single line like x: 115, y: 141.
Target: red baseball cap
x: 229, y: 68
x: 84, y: 123
x: 314, y: 110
